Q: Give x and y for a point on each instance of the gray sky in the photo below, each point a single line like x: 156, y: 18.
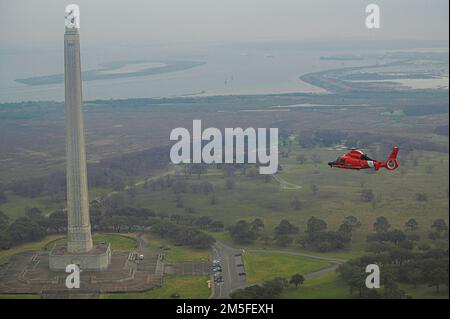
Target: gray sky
x: 31, y: 23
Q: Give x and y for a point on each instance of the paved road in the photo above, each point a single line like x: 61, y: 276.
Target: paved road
x: 285, y: 184
x: 231, y: 257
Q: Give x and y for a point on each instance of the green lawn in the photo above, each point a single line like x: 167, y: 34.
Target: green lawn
x: 178, y: 253
x: 16, y: 205
x: 262, y: 267
x: 5, y: 254
x: 425, y: 292
x: 187, y: 287
x: 19, y: 296
x: 328, y: 286
x: 118, y: 242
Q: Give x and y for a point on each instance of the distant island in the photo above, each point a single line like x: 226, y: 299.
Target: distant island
x: 118, y: 69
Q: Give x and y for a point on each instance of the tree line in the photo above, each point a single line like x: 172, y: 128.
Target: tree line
x: 402, y: 258
x: 269, y: 289
x: 181, y: 229
x: 316, y: 236
x: 115, y: 173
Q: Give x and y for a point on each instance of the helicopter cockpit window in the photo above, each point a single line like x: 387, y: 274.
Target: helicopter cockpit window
x: 366, y: 158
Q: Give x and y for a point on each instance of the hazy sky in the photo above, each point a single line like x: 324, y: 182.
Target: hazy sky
x: 31, y: 23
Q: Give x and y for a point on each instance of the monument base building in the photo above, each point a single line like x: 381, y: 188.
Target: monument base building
x: 98, y: 258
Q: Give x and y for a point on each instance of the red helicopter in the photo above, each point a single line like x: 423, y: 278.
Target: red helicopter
x: 356, y: 159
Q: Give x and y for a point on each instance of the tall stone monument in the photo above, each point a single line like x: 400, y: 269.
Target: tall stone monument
x: 80, y: 249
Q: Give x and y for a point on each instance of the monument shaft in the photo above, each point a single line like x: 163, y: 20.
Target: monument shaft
x: 79, y: 238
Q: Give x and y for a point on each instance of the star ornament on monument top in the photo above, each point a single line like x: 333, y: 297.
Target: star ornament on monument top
x: 72, y: 16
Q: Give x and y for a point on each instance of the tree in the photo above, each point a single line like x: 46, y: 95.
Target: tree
x: 216, y: 225
x: 378, y: 247
x: 421, y: 197
x: 33, y: 213
x: 284, y: 240
x: 411, y: 225
x: 392, y: 291
x: 434, y: 235
x: 4, y: 221
x: 381, y: 225
x: 115, y: 201
x: 395, y: 236
x: 436, y: 273
x: 230, y: 184
x: 241, y: 232
x: 275, y: 287
x: 354, y: 275
x: 203, y: 222
x: 297, y: 280
x: 5, y: 240
x: 202, y: 241
x: 296, y: 204
x: 352, y: 222
x: 3, y: 198
x: 367, y: 195
x: 285, y: 228
x: 315, y: 225
x: 439, y: 225
x: 271, y: 289
x: 301, y: 159
x: 214, y: 200
x: 400, y: 255
x: 132, y: 192
x: 58, y: 220
x: 257, y: 225
x: 228, y: 170
x: 414, y: 275
x: 179, y: 201
x: 117, y: 222
x: 24, y: 229
x: 314, y: 189
x: 345, y: 228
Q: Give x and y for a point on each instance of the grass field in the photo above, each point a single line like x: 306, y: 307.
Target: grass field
x: 16, y: 205
x: 328, y: 286
x: 262, y: 267
x: 186, y: 287
x: 178, y: 253
x: 118, y: 242
x: 5, y: 254
x: 338, y: 194
x: 425, y: 292
x: 19, y: 296
x: 356, y: 251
